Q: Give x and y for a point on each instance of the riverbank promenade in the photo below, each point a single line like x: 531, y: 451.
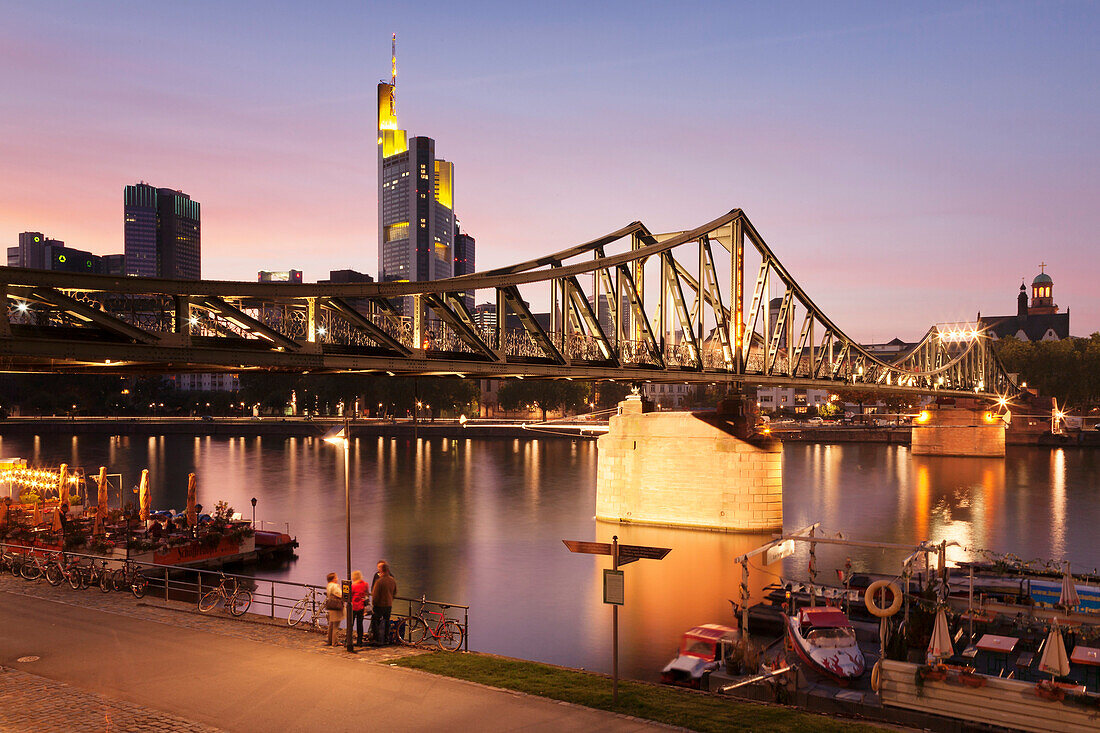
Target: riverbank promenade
x: 107, y: 662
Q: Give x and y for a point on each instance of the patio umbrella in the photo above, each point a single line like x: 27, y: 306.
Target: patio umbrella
x: 36, y: 517
x: 1054, y: 659
x: 101, y: 502
x: 55, y: 524
x: 940, y: 646
x: 1068, y: 596
x: 62, y: 487
x: 144, y: 499
x: 192, y: 518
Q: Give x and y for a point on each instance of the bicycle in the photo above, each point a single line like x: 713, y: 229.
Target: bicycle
x: 318, y: 616
x: 448, y: 634
x: 32, y: 569
x: 236, y: 601
x: 129, y: 577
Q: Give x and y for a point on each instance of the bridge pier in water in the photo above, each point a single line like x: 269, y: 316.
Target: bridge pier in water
x: 958, y: 430
x: 685, y: 469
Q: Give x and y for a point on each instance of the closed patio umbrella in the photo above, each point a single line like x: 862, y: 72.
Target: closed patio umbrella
x: 1068, y: 597
x: 55, y: 523
x: 62, y: 484
x: 145, y: 501
x: 101, y: 502
x: 940, y: 646
x: 1055, y: 661
x: 192, y: 516
x: 36, y: 516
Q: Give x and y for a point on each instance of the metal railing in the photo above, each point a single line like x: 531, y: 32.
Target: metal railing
x: 269, y: 596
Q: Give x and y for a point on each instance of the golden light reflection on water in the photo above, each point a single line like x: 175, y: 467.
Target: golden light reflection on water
x: 481, y: 522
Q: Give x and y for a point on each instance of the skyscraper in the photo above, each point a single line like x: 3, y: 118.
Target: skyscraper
x: 464, y: 259
x: 162, y: 233
x: 416, y: 225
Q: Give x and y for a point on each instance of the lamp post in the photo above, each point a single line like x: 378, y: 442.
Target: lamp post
x: 253, y: 512
x: 339, y: 436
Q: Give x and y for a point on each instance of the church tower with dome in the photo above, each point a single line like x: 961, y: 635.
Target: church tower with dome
x: 1037, y: 321
x: 1042, y: 293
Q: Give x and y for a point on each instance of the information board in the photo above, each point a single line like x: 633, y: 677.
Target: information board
x: 614, y: 587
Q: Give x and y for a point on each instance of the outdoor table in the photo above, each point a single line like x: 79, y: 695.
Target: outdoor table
x: 1002, y: 645
x: 1088, y: 656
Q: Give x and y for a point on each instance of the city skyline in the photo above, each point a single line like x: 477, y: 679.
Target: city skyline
x: 924, y: 162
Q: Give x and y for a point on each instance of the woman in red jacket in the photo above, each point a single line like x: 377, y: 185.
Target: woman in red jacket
x: 359, y: 593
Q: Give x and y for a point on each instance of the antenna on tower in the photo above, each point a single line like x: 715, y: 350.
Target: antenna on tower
x: 393, y: 60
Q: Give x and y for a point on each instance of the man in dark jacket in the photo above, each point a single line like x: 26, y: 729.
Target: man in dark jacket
x: 383, y: 591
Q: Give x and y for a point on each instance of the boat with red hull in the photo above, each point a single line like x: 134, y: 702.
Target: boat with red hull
x: 825, y: 640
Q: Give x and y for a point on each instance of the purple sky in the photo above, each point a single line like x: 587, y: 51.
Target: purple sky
x: 908, y: 164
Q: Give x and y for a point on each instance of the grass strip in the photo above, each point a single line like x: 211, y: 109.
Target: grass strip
x: 661, y: 704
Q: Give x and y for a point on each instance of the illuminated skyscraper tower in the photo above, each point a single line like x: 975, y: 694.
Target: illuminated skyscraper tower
x: 416, y: 222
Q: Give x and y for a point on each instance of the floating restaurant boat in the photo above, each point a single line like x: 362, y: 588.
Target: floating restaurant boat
x: 825, y: 640
x: 48, y: 510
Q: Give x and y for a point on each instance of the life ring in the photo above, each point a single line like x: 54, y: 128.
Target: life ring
x: 876, y: 676
x: 874, y: 608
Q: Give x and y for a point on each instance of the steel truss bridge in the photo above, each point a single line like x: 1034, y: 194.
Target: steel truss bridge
x: 658, y: 307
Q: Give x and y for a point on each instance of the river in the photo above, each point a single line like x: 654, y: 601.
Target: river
x: 481, y: 522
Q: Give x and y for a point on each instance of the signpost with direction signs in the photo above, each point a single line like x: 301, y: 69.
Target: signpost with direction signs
x: 614, y: 585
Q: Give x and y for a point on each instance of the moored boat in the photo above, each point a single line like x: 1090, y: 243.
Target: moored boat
x: 702, y: 649
x: 825, y: 640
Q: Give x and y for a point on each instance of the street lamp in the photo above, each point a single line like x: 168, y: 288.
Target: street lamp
x: 339, y: 436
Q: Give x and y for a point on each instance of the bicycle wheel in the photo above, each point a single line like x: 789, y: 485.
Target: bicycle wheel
x: 30, y: 570
x: 209, y: 600
x: 450, y: 636
x: 118, y: 579
x: 16, y: 565
x: 105, y: 583
x: 54, y: 575
x: 297, y: 612
x: 76, y: 578
x: 138, y: 584
x: 239, y: 602
x: 414, y: 631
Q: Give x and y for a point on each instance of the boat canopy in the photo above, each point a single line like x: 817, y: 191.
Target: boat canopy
x: 709, y: 632
x: 826, y: 617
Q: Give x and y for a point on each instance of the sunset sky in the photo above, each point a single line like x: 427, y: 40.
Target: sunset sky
x: 908, y: 162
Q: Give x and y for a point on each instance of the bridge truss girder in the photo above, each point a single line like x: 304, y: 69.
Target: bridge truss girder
x: 655, y: 312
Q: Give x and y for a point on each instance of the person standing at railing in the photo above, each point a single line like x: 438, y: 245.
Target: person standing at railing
x: 335, y: 607
x: 358, y: 604
x: 383, y: 591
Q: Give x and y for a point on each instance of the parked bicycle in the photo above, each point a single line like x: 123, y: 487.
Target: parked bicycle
x: 129, y: 577
x: 312, y: 604
x: 447, y: 632
x: 34, y: 567
x: 236, y: 600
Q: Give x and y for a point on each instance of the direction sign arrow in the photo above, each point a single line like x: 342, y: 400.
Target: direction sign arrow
x: 642, y: 552
x: 627, y: 553
x: 592, y: 548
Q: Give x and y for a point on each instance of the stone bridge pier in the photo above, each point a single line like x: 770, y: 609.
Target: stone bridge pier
x: 682, y: 469
x: 964, y: 428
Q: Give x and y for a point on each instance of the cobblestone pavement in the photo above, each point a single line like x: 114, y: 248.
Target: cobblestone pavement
x: 177, y: 613
x: 33, y: 704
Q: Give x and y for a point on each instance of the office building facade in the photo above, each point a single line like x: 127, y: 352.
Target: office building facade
x: 281, y: 276
x: 162, y: 233
x: 39, y: 252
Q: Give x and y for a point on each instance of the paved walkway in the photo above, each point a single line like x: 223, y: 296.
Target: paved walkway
x: 158, y: 668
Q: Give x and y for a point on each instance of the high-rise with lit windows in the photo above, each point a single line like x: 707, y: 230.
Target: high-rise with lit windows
x: 162, y: 233
x: 416, y: 222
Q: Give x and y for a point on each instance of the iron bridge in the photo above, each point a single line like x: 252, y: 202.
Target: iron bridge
x: 630, y: 306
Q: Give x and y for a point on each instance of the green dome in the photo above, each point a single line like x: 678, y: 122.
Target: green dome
x: 1042, y: 279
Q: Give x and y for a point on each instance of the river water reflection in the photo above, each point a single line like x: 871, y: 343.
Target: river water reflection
x: 480, y: 522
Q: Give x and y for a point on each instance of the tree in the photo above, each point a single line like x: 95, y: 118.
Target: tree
x: 545, y: 394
